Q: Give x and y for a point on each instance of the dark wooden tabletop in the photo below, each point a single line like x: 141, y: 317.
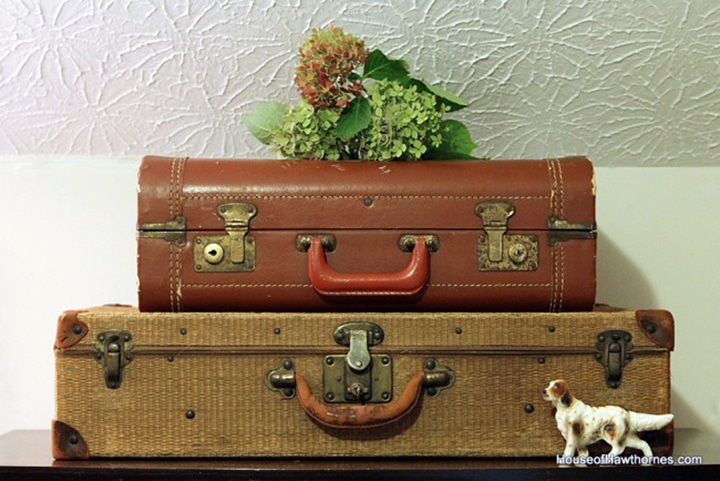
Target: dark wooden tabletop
x: 26, y: 455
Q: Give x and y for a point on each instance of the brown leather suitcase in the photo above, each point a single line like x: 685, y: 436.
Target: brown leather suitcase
x: 252, y: 235
x: 342, y: 384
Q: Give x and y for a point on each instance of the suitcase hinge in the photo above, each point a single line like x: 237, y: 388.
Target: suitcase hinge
x: 113, y: 353
x: 614, y: 353
x: 498, y: 251
x: 233, y: 252
x: 170, y: 231
x: 560, y: 230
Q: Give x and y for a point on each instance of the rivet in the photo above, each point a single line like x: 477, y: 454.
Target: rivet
x: 128, y: 357
x: 198, y: 241
x: 288, y: 391
x: 431, y: 364
x: 277, y: 330
x: 432, y: 391
x: 551, y: 328
x: 541, y: 360
x: 183, y: 331
x: 170, y: 358
x: 598, y: 357
x: 529, y: 408
x: 288, y: 364
x: 386, y: 396
x: 652, y: 328
x: 101, y: 337
x: 613, y: 384
x: 126, y: 338
x: 629, y: 357
x: 329, y: 396
x: 458, y: 330
x: 190, y: 414
x: 329, y: 361
x: 358, y: 363
x: 601, y: 338
x: 73, y: 439
x: 368, y: 201
x: 385, y: 360
x: 627, y: 338
x: 77, y: 329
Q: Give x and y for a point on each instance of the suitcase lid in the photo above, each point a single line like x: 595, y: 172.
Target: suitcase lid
x: 177, y: 194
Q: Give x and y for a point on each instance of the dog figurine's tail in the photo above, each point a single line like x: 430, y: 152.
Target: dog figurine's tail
x: 649, y: 422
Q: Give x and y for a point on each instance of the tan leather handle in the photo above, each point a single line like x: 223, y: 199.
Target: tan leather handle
x: 406, y: 282
x: 360, y: 417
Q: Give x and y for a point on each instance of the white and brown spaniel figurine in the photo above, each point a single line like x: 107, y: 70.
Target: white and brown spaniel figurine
x: 582, y: 425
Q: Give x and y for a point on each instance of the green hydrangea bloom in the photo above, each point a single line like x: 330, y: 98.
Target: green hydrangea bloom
x: 405, y: 122
x: 306, y: 133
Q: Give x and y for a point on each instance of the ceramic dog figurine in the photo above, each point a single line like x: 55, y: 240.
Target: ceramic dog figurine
x: 582, y: 425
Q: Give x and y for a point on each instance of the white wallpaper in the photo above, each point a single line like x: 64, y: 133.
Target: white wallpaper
x: 627, y: 83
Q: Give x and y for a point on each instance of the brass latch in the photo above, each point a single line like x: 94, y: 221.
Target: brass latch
x: 113, y: 353
x: 499, y: 251
x: 358, y: 376
x: 614, y: 353
x: 233, y: 252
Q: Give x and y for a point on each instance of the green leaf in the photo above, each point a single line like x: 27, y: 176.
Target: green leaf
x: 355, y: 118
x: 379, y: 67
x: 452, y: 101
x: 456, y: 142
x: 261, y: 120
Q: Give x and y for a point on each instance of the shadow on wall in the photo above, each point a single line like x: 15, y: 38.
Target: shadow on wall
x: 619, y: 281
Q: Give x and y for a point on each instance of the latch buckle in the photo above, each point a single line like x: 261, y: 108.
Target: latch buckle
x: 233, y: 252
x: 358, y: 376
x: 614, y: 353
x: 113, y: 353
x: 499, y: 251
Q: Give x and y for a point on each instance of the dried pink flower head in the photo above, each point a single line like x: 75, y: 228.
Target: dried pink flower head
x: 324, y: 74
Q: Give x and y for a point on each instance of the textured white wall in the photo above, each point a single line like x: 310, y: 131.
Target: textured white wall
x: 629, y: 83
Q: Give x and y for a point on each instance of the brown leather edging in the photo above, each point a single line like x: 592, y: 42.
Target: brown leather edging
x: 658, y: 325
x: 67, y: 443
x: 360, y: 417
x: 70, y: 330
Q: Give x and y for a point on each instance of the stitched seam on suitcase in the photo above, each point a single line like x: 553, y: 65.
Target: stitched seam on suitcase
x: 435, y: 197
x: 175, y: 203
x: 212, y: 286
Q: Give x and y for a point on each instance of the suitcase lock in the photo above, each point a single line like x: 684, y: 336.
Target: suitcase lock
x: 614, y: 353
x: 232, y: 252
x: 358, y: 376
x: 499, y: 251
x: 113, y: 353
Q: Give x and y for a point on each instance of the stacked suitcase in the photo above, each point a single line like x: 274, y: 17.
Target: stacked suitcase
x: 302, y: 308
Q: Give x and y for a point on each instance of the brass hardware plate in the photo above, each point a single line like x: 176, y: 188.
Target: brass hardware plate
x: 282, y: 379
x: 560, y: 230
x: 233, y: 252
x: 113, y: 353
x: 344, y: 385
x: 358, y: 376
x: 498, y: 251
x: 519, y: 253
x: 407, y: 242
x: 437, y: 377
x: 302, y: 242
x: 170, y: 231
x: 614, y: 353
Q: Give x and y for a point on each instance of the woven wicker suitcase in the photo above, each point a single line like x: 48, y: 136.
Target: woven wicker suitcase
x: 362, y: 384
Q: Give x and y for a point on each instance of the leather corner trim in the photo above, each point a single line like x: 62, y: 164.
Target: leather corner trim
x: 70, y: 330
x: 67, y: 443
x: 658, y: 325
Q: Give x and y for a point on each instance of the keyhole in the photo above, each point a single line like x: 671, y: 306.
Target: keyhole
x: 213, y: 253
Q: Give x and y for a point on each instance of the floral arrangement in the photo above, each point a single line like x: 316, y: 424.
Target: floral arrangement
x: 359, y: 104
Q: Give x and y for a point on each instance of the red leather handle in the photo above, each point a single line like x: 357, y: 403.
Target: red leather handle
x: 360, y: 417
x: 406, y: 282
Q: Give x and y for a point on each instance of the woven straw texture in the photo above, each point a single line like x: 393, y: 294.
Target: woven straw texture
x: 215, y: 365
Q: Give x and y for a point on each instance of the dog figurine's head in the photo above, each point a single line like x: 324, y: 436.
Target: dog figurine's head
x: 558, y: 392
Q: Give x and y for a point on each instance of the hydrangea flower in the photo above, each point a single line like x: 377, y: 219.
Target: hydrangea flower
x: 324, y: 74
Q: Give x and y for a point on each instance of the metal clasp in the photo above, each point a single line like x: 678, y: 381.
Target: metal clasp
x: 113, y: 353
x: 614, y: 353
x: 498, y: 251
x: 233, y: 252
x: 358, y: 376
